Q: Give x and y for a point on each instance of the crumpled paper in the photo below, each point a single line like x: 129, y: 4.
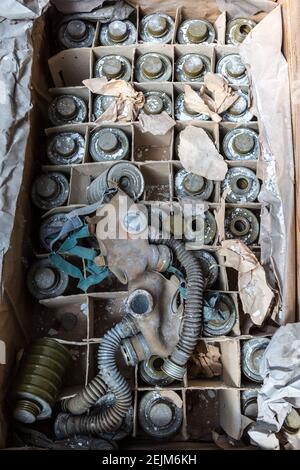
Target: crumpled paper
x: 158, y: 124
x: 22, y: 9
x: 216, y: 96
x: 280, y: 369
x: 127, y: 105
x: 271, y: 97
x: 246, y: 8
x: 205, y: 361
x: 255, y: 294
x: 199, y: 155
x: 94, y: 11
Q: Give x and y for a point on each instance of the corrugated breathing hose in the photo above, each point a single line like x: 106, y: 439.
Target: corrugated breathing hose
x: 175, y: 365
x: 109, y: 378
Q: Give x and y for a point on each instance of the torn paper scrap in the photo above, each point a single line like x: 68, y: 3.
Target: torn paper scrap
x: 199, y: 155
x: 246, y: 8
x: 280, y: 369
x: 128, y: 102
x: 217, y: 93
x: 195, y: 103
x: 220, y: 27
x: 255, y: 294
x: 156, y: 124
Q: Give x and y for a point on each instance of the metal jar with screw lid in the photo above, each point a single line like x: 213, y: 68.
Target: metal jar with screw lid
x: 233, y: 69
x: 76, y: 33
x: 291, y: 423
x: 45, y: 280
x: 65, y: 148
x: 67, y: 109
x: 50, y: 190
x: 156, y: 102
x: 157, y: 27
x: 238, y: 29
x: 219, y: 314
x: 239, y: 111
x: 201, y: 228
x: 184, y: 113
x: 39, y: 380
x: 189, y: 184
x: 126, y: 175
x: 192, y: 68
x: 109, y: 144
x: 113, y: 66
x: 101, y: 104
x: 252, y: 354
x: 151, y: 372
x: 249, y: 404
x: 118, y: 33
x: 241, y: 224
x: 209, y: 267
x: 196, y: 32
x: 160, y: 415
x: 153, y: 66
x: 243, y: 185
x: 241, y: 144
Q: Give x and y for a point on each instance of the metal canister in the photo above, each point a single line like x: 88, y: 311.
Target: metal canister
x: 241, y: 224
x: 50, y: 227
x: 184, y: 113
x: 238, y: 29
x: 292, y: 422
x: 196, y: 32
x: 233, y: 69
x: 189, y: 184
x: 67, y: 109
x: 39, y: 380
x: 109, y: 144
x: 125, y: 174
x: 118, y: 33
x: 219, y: 314
x: 151, y: 372
x: 153, y: 66
x: 201, y: 228
x: 65, y: 148
x: 76, y: 33
x: 243, y: 185
x: 209, y: 267
x: 45, y: 280
x: 160, y: 415
x: 157, y: 27
x: 249, y: 404
x: 156, y: 102
x: 50, y: 190
x: 239, y: 111
x: 252, y: 354
x: 192, y: 68
x: 113, y: 66
x: 241, y: 144
x: 135, y: 349
x: 101, y: 104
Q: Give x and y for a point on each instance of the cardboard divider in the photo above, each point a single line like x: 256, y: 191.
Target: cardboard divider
x: 206, y: 50
x: 157, y: 182
x: 71, y: 66
x: 102, y: 51
x: 149, y: 147
x: 52, y: 317
x: 202, y: 406
x: 231, y: 371
x: 230, y: 412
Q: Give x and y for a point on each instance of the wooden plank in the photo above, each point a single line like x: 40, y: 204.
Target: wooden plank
x: 291, y: 17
